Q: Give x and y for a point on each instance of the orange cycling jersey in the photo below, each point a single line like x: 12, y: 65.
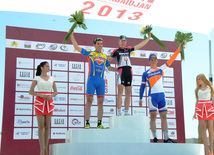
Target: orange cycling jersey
x: 154, y: 77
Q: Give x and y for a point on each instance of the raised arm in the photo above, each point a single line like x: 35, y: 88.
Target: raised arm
x: 76, y: 46
x: 143, y: 43
x: 174, y: 56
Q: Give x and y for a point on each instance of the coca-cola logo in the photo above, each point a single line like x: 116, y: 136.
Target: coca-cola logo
x: 77, y: 88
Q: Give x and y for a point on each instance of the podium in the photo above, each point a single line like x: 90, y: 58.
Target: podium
x: 126, y: 135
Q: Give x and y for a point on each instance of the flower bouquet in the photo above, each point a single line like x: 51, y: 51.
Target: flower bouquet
x: 78, y: 20
x: 182, y: 38
x: 145, y: 29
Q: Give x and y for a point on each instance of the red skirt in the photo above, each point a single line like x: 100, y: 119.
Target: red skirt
x: 205, y: 110
x: 42, y: 106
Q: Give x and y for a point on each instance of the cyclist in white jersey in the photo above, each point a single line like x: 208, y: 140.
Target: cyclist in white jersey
x: 124, y: 76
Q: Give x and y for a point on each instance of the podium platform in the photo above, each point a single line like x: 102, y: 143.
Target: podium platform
x: 126, y: 149
x: 126, y: 135
x: 132, y: 129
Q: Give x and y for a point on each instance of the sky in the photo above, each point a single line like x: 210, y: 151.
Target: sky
x: 196, y: 53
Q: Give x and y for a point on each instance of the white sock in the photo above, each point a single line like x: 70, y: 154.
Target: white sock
x: 126, y: 112
x: 165, y: 135
x: 154, y: 134
x: 118, y: 111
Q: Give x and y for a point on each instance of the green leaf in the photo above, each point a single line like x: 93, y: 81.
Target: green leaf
x: 78, y: 21
x: 183, y: 38
x: 145, y: 29
x: 158, y: 41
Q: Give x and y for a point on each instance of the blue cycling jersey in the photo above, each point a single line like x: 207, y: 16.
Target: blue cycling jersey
x: 97, y: 62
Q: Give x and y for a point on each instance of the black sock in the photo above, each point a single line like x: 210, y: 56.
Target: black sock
x: 99, y: 122
x: 87, y: 122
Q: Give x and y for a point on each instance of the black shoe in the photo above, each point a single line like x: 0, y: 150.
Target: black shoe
x: 155, y: 140
x: 169, y: 141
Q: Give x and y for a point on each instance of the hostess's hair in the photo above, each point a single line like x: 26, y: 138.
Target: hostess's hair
x: 208, y: 83
x: 39, y: 71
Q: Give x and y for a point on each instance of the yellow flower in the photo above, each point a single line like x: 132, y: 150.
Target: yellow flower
x: 142, y: 28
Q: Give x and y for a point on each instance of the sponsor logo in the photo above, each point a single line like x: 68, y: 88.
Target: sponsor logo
x: 76, y: 66
x: 163, y: 55
x: 98, y: 70
x: 61, y: 87
x: 59, y: 121
x: 56, y: 98
x: 75, y: 122
x: 60, y: 65
x: 59, y: 110
x: 76, y: 99
x: 76, y: 77
x: 40, y: 46
x: 24, y: 74
x: 24, y: 97
x: 78, y: 88
x: 109, y: 51
x: 92, y: 122
x: 169, y: 102
x: 99, y: 61
x: 136, y: 90
x: 154, y: 73
x: 111, y: 111
x: 172, y: 134
x: 27, y: 45
x: 23, y: 109
x: 142, y: 54
x: 76, y: 110
x: 22, y: 133
x: 107, y: 101
x: 136, y: 101
x: 105, y: 121
x: 168, y: 92
x: 133, y: 53
x: 36, y: 133
x: 20, y: 121
x: 170, y: 112
x: 23, y: 85
x: 24, y: 63
x: 124, y: 54
x: 165, y: 81
x: 64, y: 48
x: 14, y: 43
x: 58, y: 133
x: 60, y: 76
x: 53, y: 46
x: 106, y: 84
x: 171, y: 123
x: 139, y: 112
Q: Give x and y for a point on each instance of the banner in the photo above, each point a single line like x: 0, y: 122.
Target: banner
x: 26, y: 48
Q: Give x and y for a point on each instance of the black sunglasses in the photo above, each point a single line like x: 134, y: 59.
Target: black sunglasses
x: 97, y: 39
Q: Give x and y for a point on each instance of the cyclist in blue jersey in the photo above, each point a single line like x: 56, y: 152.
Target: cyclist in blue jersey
x: 97, y: 63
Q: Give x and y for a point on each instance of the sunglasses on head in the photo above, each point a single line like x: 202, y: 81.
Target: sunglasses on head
x: 97, y: 39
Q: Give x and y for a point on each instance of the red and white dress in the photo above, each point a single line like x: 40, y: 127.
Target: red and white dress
x: 204, y: 108
x: 42, y: 106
